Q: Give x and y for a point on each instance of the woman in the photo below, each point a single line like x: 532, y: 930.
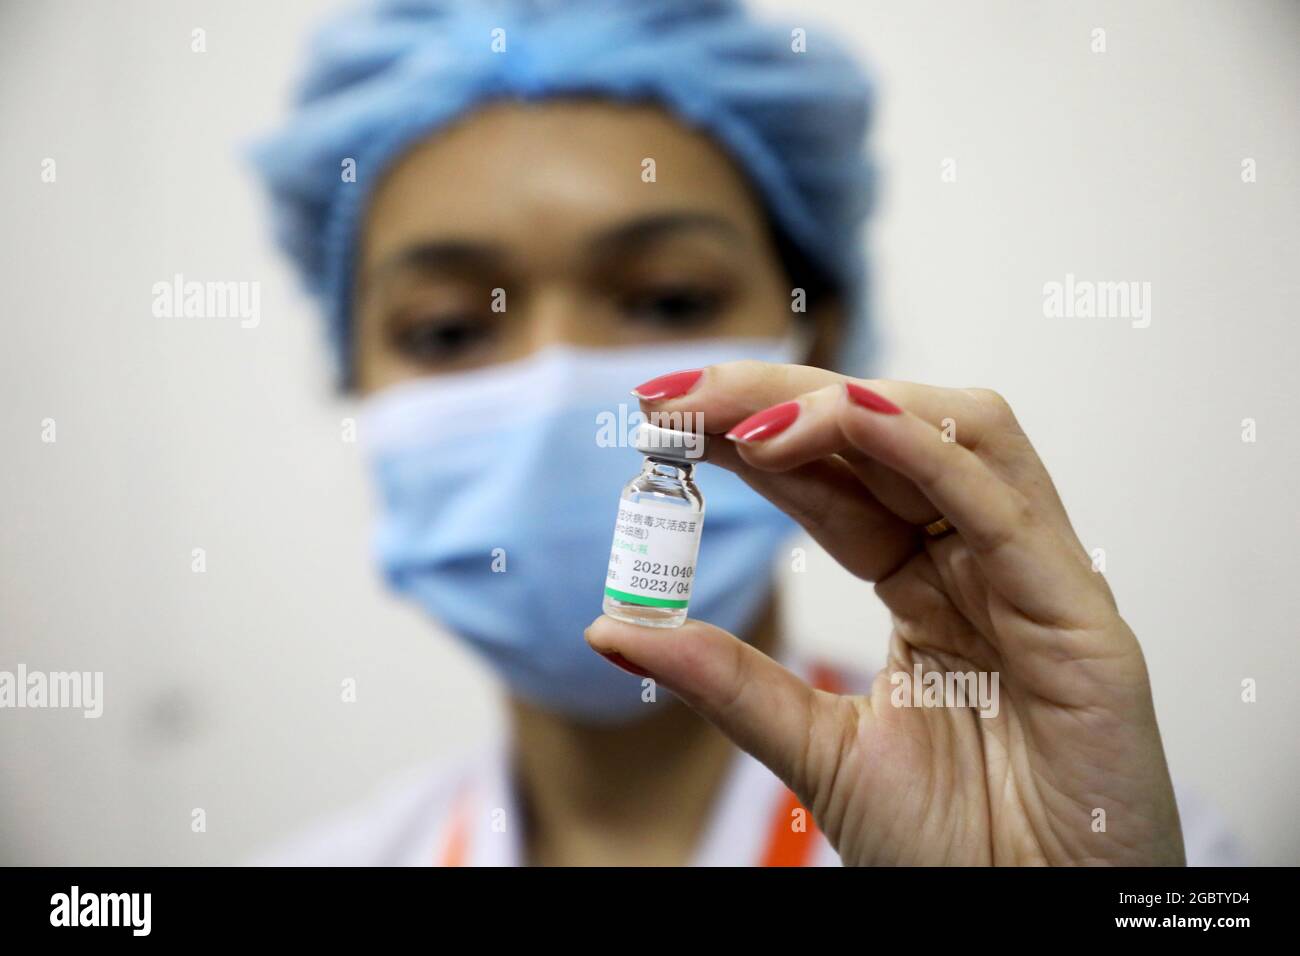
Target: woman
x: 513, y: 215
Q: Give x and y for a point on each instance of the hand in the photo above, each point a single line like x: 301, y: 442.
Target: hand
x: 863, y: 466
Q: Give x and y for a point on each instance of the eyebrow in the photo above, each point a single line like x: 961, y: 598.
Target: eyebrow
x: 438, y: 254
x: 465, y: 255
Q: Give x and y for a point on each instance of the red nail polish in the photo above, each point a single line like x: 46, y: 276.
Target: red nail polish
x: 869, y: 399
x: 672, y: 385
x: 765, y: 424
x: 617, y: 659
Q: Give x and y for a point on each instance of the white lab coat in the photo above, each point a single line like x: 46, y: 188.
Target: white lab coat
x: 413, y: 819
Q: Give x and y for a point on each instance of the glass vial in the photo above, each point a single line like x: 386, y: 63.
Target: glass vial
x: 657, y: 533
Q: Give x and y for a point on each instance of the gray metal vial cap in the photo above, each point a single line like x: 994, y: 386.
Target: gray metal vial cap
x: 670, y: 443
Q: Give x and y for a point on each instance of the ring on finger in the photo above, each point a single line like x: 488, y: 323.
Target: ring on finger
x: 940, y: 528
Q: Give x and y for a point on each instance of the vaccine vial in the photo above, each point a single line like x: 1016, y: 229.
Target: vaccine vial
x: 657, y: 533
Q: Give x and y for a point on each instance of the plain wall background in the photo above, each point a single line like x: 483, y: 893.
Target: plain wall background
x: 223, y: 688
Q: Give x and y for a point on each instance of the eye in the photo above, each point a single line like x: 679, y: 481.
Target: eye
x: 673, y: 306
x: 430, y: 339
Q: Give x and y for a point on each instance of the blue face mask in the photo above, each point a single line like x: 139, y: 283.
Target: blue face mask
x: 498, y: 493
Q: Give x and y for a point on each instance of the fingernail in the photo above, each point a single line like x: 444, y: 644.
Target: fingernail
x: 765, y: 424
x: 618, y: 660
x: 869, y: 399
x: 672, y: 385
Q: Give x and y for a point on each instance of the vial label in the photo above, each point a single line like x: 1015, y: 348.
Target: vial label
x: 652, y: 561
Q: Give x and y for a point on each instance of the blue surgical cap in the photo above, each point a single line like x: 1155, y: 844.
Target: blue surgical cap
x: 781, y: 98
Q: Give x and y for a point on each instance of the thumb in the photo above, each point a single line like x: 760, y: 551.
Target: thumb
x: 761, y: 706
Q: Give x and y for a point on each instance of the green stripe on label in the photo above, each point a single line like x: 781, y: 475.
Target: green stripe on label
x: 647, y: 601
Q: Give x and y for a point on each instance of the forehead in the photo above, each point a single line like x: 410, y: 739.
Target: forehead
x: 550, y: 174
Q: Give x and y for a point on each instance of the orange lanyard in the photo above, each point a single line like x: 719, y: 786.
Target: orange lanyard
x: 786, y: 845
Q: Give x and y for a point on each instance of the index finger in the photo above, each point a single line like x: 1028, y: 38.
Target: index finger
x: 729, y: 392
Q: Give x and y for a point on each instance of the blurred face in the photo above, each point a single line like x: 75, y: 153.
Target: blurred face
x: 546, y: 202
